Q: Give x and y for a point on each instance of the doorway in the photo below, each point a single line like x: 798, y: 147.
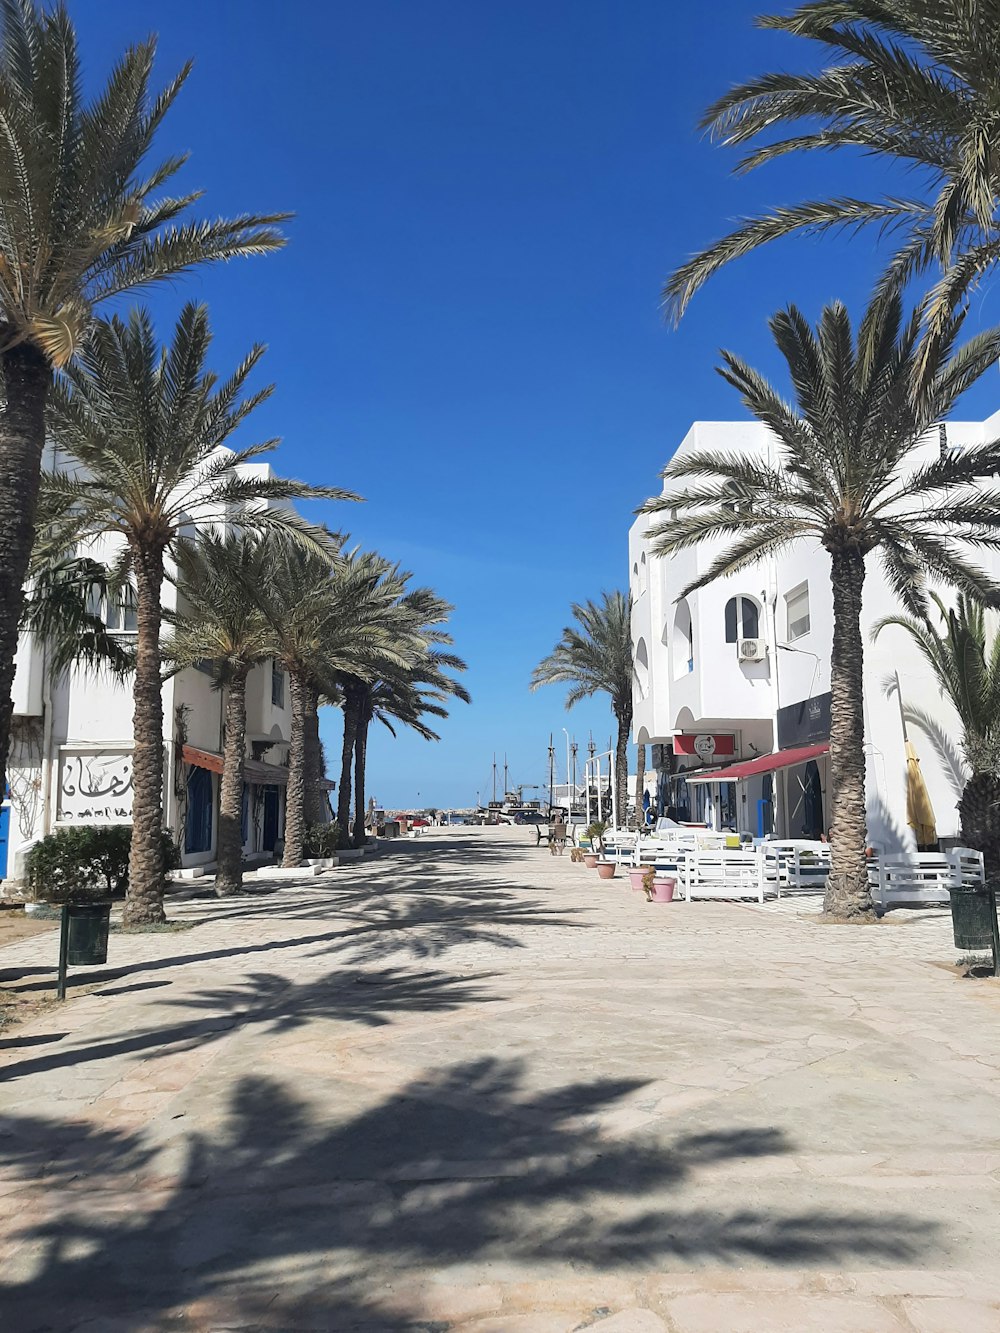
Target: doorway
x: 269, y: 833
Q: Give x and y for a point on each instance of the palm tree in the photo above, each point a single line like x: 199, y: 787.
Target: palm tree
x: 595, y: 657
x: 326, y: 615
x: 220, y: 620
x: 964, y: 654
x: 146, y: 427
x: 62, y: 605
x: 843, y: 477
x: 912, y: 80
x: 405, y: 694
x: 82, y: 220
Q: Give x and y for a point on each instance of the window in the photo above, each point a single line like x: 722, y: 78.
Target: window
x: 118, y: 612
x: 683, y: 644
x: 642, y: 668
x: 797, y: 611
x: 277, y: 685
x: 742, y: 619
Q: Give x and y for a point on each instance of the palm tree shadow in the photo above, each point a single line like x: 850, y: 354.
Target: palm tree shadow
x: 309, y: 1214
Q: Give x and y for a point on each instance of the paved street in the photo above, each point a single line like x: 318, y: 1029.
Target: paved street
x: 468, y: 1086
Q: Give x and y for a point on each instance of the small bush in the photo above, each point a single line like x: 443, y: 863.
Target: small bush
x: 322, y: 839
x: 77, y: 864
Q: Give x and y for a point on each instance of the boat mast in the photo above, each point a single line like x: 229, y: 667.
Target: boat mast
x: 494, y: 777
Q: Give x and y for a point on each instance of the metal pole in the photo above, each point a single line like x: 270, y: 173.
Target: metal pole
x: 612, y: 765
x: 552, y: 773
x: 995, y: 927
x: 600, y: 798
x: 569, y: 803
x: 63, y: 951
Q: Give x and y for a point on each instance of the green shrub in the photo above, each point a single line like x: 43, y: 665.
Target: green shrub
x: 322, y: 839
x: 85, y: 863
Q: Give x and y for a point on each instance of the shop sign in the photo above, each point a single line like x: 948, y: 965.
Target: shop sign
x: 706, y: 746
x: 801, y: 723
x: 95, y: 786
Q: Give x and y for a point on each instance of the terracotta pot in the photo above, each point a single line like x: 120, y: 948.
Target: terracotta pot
x: 606, y: 869
x: 663, y: 889
x: 590, y: 860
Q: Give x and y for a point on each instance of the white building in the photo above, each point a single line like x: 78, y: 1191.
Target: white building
x: 732, y: 683
x: 71, y: 749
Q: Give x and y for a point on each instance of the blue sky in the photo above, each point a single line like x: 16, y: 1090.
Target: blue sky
x: 465, y: 325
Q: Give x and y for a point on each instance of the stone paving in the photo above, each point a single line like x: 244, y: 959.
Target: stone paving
x: 469, y: 1086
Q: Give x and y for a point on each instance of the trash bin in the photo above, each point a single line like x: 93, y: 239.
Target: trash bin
x: 971, y: 924
x: 87, y: 939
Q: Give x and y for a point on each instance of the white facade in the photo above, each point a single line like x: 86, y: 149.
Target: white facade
x: 71, y: 750
x: 701, y: 707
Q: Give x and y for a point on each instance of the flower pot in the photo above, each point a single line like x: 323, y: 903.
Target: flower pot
x: 591, y: 860
x: 635, y: 875
x: 87, y: 933
x: 606, y: 869
x: 663, y: 889
x: 970, y: 920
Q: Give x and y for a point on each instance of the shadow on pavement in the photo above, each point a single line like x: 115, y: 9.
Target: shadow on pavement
x: 293, y: 1215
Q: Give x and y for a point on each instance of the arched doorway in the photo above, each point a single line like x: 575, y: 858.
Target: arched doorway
x: 812, y: 802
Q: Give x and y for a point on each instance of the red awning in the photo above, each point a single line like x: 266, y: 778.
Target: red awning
x: 767, y: 763
x: 202, y: 759
x: 254, y: 770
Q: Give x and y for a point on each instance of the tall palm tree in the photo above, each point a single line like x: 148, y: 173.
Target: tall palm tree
x: 917, y: 81
x: 843, y: 476
x: 325, y: 613
x: 408, y: 694
x: 82, y: 220
x: 220, y: 620
x: 146, y: 427
x: 964, y: 654
x: 595, y: 657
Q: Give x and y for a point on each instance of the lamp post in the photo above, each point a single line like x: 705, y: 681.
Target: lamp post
x: 569, y: 798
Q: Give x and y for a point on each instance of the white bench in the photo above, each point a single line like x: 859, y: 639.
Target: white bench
x: 918, y: 879
x: 796, y: 865
x: 723, y: 874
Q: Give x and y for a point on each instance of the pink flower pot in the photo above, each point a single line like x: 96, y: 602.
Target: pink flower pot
x: 590, y: 860
x: 635, y: 878
x: 663, y: 890
x: 606, y: 869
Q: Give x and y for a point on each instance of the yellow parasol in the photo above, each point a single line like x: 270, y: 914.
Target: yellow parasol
x: 919, y: 811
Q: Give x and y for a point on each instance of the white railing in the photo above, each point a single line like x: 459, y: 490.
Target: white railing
x: 723, y: 874
x: 917, y: 879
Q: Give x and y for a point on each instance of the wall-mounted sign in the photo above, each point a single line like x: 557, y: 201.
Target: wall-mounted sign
x: 95, y: 786
x: 800, y: 723
x: 706, y: 746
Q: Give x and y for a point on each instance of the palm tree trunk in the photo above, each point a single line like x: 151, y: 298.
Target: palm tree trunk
x: 621, y: 766
x: 351, y: 712
x: 229, y: 875
x: 848, y: 896
x: 640, y: 783
x: 360, y: 759
x: 26, y: 378
x: 295, y: 822
x: 979, y: 811
x: 144, y: 900
x: 313, y: 766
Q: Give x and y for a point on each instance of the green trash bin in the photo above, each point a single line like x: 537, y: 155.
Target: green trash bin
x: 971, y: 923
x: 87, y: 933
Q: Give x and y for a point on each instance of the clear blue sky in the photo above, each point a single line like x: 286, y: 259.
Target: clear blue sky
x: 465, y: 326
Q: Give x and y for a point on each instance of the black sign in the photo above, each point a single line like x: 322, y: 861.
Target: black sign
x: 804, y: 723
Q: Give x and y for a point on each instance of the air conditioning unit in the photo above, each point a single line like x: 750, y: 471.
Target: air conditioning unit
x: 752, y: 650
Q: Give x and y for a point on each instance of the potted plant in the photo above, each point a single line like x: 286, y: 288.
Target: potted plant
x: 659, y: 888
x: 637, y: 876
x: 606, y: 869
x: 594, y: 835
x: 321, y: 844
